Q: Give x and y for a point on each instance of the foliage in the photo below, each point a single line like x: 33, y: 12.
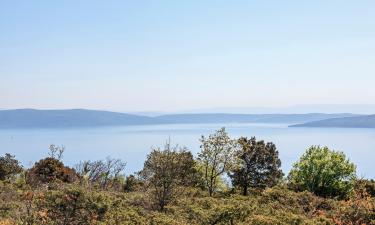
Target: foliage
x: 165, y: 169
x: 133, y: 183
x: 49, y: 170
x: 215, y: 157
x: 322, y: 171
x: 171, y: 178
x: 367, y: 186
x: 8, y: 200
x: 359, y: 209
x: 9, y: 166
x: 258, y: 165
x: 64, y: 205
x: 74, y: 204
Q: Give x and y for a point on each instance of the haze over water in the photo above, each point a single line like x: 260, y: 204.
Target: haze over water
x: 133, y: 143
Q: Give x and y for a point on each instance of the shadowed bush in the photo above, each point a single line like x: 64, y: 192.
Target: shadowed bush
x: 50, y: 170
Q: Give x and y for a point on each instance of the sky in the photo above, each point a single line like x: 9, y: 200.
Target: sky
x: 184, y: 55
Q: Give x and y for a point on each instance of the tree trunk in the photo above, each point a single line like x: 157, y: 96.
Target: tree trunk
x: 245, y: 190
x: 210, y: 191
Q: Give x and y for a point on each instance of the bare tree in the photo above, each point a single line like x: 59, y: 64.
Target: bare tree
x: 100, y: 171
x: 56, y: 152
x: 112, y: 169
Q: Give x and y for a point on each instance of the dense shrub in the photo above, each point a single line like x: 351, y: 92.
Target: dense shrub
x: 132, y: 183
x: 366, y: 185
x: 70, y: 206
x: 73, y: 204
x: 324, y: 172
x: 359, y: 209
x: 8, y: 200
x: 123, y: 210
x: 9, y: 166
x: 50, y: 170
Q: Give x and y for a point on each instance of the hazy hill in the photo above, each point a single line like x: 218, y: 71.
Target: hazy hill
x: 364, y: 109
x: 31, y: 118
x: 67, y: 118
x: 346, y: 122
x: 247, y: 118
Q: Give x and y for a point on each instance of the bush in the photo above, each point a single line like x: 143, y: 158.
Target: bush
x: 71, y: 206
x: 324, y: 172
x: 50, y: 170
x: 132, y: 184
x: 359, y: 209
x: 8, y: 200
x: 9, y: 166
x: 366, y: 185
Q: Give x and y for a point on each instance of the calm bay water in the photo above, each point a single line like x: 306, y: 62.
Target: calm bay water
x: 133, y: 143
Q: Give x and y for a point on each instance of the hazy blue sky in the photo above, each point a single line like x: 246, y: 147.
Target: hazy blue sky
x: 175, y: 55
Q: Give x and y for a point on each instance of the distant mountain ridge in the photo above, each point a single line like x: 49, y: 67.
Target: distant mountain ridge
x: 67, y: 118
x: 32, y: 118
x: 247, y: 118
x: 360, y: 109
x: 345, y: 122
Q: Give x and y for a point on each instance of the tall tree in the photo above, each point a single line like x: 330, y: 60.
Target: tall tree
x: 215, y: 157
x: 257, y: 165
x: 165, y: 170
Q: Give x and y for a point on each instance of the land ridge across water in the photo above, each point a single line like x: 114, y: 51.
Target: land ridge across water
x: 33, y: 118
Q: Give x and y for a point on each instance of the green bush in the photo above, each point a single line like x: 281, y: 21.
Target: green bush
x: 324, y: 172
x: 9, y: 166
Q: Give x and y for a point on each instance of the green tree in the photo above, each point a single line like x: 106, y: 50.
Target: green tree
x: 9, y: 166
x: 215, y: 157
x: 165, y: 170
x: 324, y: 172
x: 258, y: 165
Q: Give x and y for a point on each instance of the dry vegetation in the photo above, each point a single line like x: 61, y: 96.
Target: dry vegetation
x: 176, y: 188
